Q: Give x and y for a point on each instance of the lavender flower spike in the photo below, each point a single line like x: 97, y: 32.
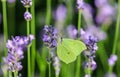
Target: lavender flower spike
x: 11, y: 1
x: 27, y: 16
x: 80, y: 4
x: 110, y: 75
x: 112, y: 60
x: 26, y: 3
x: 57, y: 65
x: 15, y: 52
x: 87, y: 75
x: 50, y: 36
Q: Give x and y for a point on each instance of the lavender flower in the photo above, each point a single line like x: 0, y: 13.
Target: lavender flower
x: 72, y: 31
x: 93, y: 31
x: 90, y: 65
x: 112, y: 60
x: 110, y: 75
x: 101, y: 3
x: 26, y: 3
x: 27, y: 16
x: 87, y: 75
x: 105, y: 14
x: 80, y: 4
x: 60, y: 13
x: 88, y: 14
x: 11, y: 1
x: 15, y: 52
x: 50, y: 36
x: 91, y: 43
x: 91, y: 46
x: 56, y: 65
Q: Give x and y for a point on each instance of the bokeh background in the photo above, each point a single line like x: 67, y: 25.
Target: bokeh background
x: 17, y: 26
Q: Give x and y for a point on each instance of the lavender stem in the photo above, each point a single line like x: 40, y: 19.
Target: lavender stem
x: 33, y: 47
x: 116, y: 35
x: 5, y: 25
x: 48, y: 13
x: 79, y: 58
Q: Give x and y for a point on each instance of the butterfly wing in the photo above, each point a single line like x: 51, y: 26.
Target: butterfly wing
x: 75, y: 46
x: 65, y: 54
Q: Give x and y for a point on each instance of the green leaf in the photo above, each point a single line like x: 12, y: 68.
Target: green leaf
x: 69, y: 49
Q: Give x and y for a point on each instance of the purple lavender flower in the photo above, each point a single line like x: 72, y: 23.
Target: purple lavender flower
x: 100, y: 3
x: 26, y: 3
x: 93, y: 31
x: 57, y: 65
x: 91, y: 46
x: 90, y: 65
x: 60, y: 13
x: 27, y: 16
x: 15, y: 52
x: 50, y: 36
x: 87, y: 75
x: 72, y: 31
x: 11, y: 1
x: 110, y: 75
x: 112, y: 60
x: 80, y: 4
x: 88, y: 13
x: 105, y: 14
x: 90, y: 41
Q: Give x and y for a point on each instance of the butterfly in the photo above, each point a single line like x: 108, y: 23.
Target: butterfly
x: 69, y: 49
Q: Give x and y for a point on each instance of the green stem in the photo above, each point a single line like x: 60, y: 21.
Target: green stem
x: 49, y: 63
x: 15, y: 74
x: 5, y: 73
x: 79, y: 20
x: 48, y: 13
x: 116, y: 35
x: 49, y: 69
x: 33, y: 47
x: 57, y: 76
x: 78, y: 67
x: 28, y: 51
x: 10, y: 74
x: 5, y: 25
x: 79, y: 58
x: 11, y: 18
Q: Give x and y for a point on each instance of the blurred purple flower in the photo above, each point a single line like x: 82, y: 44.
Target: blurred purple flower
x: 15, y: 52
x: 26, y: 3
x: 110, y: 75
x: 87, y: 75
x: 57, y: 65
x: 100, y: 3
x: 88, y: 14
x: 93, y: 31
x: 60, y: 13
x: 50, y: 36
x: 31, y: 37
x: 11, y: 1
x: 112, y: 60
x: 105, y: 14
x: 27, y: 16
x: 80, y: 4
x: 72, y: 31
